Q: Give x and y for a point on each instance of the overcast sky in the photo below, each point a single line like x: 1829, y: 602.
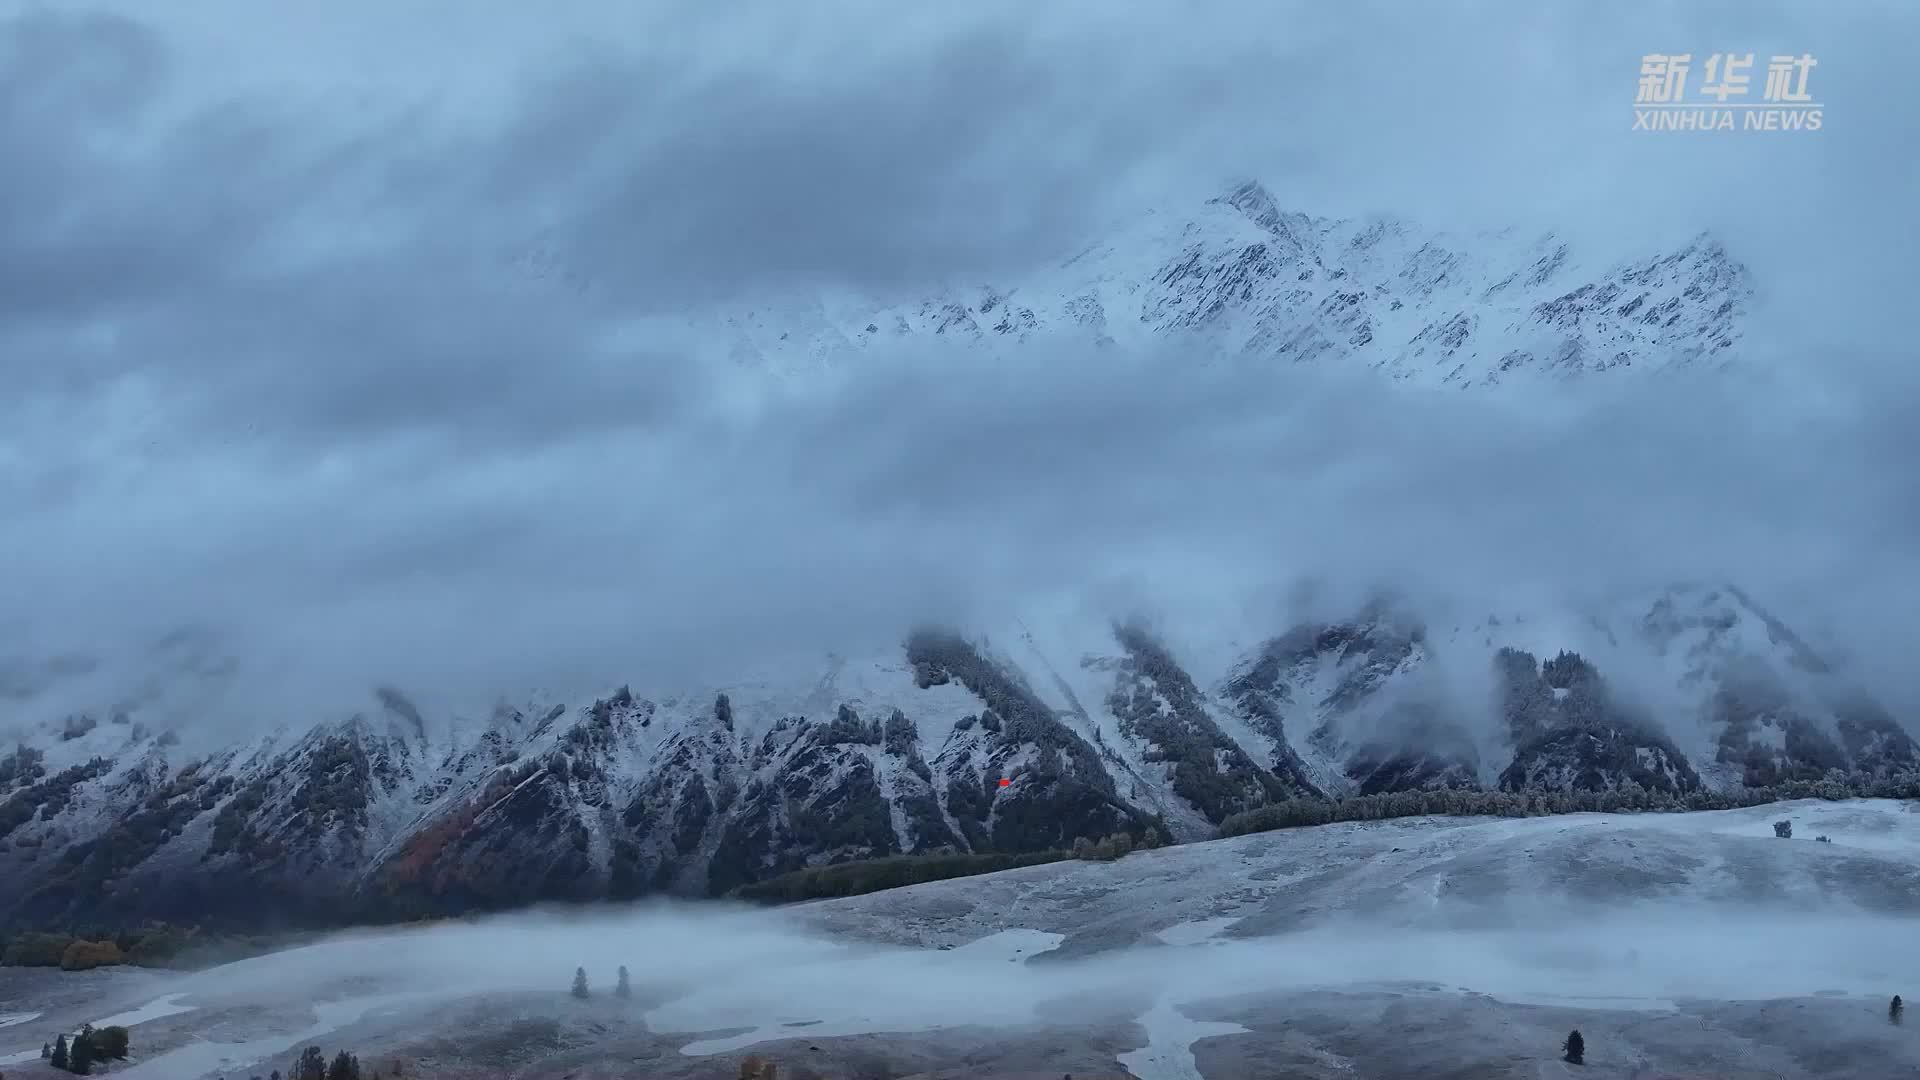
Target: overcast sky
x: 269, y: 372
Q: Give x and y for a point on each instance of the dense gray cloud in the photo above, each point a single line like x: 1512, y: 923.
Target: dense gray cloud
x: 333, y: 345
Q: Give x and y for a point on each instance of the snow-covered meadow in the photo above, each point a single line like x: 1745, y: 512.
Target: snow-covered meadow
x: 1157, y: 962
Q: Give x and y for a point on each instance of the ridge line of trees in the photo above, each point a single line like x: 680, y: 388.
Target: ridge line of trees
x: 857, y: 877
x: 153, y: 945
x: 1455, y: 802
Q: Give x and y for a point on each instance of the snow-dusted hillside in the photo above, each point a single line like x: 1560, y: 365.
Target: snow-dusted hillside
x: 1239, y: 276
x: 1017, y: 741
x: 1415, y: 947
x: 1693, y: 685
x: 1429, y: 874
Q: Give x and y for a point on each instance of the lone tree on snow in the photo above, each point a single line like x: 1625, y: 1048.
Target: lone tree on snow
x: 1576, y: 1048
x: 1895, y: 1008
x: 1783, y: 829
x: 623, y: 989
x: 580, y: 982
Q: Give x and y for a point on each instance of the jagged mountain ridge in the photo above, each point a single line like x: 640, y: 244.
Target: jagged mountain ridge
x: 1239, y: 277
x: 393, y: 813
x: 383, y: 815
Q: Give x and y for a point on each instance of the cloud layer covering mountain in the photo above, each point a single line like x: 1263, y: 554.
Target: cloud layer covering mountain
x: 455, y: 459
x: 281, y: 370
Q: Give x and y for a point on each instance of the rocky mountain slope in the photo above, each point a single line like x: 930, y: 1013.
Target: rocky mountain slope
x: 976, y: 741
x: 952, y: 742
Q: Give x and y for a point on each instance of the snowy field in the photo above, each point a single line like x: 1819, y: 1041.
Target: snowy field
x: 1684, y: 946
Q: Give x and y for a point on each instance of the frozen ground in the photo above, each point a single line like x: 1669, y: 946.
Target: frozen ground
x: 1684, y: 946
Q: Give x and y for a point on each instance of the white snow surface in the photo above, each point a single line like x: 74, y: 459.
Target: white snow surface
x: 202, y: 1057
x: 1168, y: 1054
x: 153, y: 1010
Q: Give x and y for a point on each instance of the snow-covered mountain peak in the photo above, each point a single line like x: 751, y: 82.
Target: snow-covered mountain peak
x: 1297, y: 235
x: 1238, y: 276
x: 1708, y: 630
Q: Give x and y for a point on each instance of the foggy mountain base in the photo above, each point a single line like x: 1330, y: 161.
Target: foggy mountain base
x: 1680, y: 945
x: 949, y: 746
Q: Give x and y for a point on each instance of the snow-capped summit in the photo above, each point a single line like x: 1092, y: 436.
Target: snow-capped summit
x: 1239, y: 277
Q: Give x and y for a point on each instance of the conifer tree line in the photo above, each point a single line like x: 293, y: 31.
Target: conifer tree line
x: 313, y: 1064
x: 155, y: 945
x: 1629, y: 797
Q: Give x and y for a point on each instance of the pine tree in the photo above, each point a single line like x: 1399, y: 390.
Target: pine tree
x: 580, y: 982
x: 1895, y: 1008
x: 345, y: 1067
x: 623, y: 988
x: 311, y: 1066
x: 1576, y: 1048
x: 80, y: 1053
x: 46, y: 1051
x: 58, y: 1059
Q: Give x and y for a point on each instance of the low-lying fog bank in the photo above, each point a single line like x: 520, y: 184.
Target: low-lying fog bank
x: 1172, y: 963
